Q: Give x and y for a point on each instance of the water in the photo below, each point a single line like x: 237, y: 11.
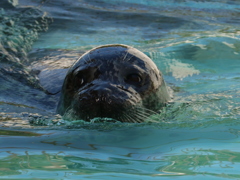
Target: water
x: 194, y: 43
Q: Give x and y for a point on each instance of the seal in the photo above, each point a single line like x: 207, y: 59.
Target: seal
x: 113, y: 81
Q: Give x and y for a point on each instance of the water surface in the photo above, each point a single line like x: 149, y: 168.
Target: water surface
x: 194, y: 43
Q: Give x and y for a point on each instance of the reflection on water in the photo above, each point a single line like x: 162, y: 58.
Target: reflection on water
x: 79, y: 154
x: 181, y: 70
x: 194, y: 43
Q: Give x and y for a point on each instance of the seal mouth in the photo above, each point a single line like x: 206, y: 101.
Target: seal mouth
x: 102, y: 107
x: 121, y: 106
x: 111, y: 103
x: 103, y: 100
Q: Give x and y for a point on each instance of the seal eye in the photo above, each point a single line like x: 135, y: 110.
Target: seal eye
x: 133, y: 78
x: 79, y: 81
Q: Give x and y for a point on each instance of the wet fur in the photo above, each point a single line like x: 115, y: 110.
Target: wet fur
x: 97, y: 86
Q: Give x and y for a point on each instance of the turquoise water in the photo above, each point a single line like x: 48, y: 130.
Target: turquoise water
x: 196, y: 44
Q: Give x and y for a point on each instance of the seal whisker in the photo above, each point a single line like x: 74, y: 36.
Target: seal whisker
x: 140, y: 114
x: 125, y: 56
x: 89, y: 57
x: 148, y: 119
x: 144, y: 115
x: 84, y: 59
x: 130, y: 58
x: 130, y: 118
x: 146, y: 110
x: 124, y: 119
x: 127, y: 118
x: 139, y: 117
x: 135, y: 117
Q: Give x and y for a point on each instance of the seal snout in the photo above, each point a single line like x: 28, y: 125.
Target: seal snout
x: 104, y: 93
x: 102, y: 100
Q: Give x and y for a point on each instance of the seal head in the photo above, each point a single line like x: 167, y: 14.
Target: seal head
x: 113, y: 81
